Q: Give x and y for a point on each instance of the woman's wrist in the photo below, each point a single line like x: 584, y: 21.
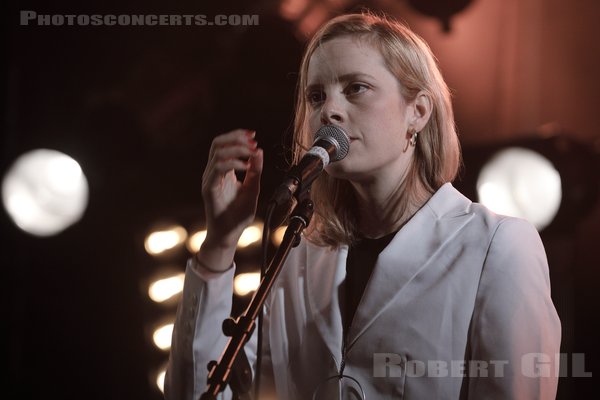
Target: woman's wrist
x: 202, y: 264
x: 214, y: 257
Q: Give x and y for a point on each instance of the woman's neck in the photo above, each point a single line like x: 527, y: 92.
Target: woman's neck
x: 385, y: 206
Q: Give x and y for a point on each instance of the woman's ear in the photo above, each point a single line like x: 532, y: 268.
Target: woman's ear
x: 422, y: 107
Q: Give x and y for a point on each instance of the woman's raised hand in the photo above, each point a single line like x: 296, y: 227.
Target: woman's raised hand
x: 230, y: 205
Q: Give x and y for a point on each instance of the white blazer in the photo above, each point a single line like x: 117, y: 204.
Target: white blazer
x: 458, y: 307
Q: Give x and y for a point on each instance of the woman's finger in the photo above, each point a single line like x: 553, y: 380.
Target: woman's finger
x: 237, y: 151
x: 225, y: 166
x: 236, y: 137
x: 252, y: 178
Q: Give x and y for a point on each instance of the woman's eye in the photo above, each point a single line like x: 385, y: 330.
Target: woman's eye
x: 315, y: 97
x: 356, y: 88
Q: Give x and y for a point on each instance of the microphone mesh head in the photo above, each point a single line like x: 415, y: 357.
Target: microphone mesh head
x: 336, y: 136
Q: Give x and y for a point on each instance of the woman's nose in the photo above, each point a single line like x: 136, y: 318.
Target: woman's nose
x: 331, y: 113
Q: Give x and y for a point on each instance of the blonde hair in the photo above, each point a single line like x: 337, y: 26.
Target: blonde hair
x: 436, y: 157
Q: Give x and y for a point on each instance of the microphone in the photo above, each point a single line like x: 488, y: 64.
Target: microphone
x: 331, y: 144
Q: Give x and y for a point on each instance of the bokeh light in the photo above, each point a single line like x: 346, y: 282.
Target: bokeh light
x: 161, y: 241
x: 162, y: 336
x: 277, y: 236
x: 44, y: 192
x: 164, y: 289
x: 195, y: 241
x: 160, y: 380
x: 246, y: 283
x: 251, y: 235
x: 521, y: 183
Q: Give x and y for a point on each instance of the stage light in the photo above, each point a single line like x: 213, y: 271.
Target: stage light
x: 246, y: 283
x: 250, y: 236
x: 160, y: 379
x: 548, y: 178
x: 160, y: 241
x: 44, y: 192
x: 162, y: 336
x: 277, y: 236
x: 195, y: 241
x: 521, y: 183
x: 166, y: 288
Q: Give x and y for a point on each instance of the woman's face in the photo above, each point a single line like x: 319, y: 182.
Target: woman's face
x: 350, y: 86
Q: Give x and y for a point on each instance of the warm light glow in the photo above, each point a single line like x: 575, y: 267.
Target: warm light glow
x: 162, y: 336
x: 44, y: 192
x: 277, y: 236
x: 246, y: 283
x: 160, y: 380
x: 195, y: 241
x: 313, y: 19
x: 251, y: 235
x: 521, y: 183
x: 161, y: 241
x: 291, y: 10
x: 164, y: 289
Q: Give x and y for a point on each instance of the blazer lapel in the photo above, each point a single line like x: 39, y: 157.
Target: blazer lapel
x: 423, y: 237
x: 325, y: 272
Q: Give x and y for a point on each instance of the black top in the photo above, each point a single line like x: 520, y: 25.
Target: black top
x: 360, y: 264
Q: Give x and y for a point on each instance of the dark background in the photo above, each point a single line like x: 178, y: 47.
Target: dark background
x: 137, y: 107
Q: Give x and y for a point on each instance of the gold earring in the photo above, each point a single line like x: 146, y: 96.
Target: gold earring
x: 413, y: 138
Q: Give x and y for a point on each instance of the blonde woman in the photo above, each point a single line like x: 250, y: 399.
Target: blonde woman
x: 401, y: 287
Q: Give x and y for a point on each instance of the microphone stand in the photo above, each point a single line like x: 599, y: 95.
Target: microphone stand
x: 230, y: 369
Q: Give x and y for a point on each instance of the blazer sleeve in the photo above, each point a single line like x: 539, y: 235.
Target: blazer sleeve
x: 515, y: 332
x: 197, y: 336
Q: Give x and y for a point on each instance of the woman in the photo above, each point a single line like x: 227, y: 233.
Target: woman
x: 401, y: 285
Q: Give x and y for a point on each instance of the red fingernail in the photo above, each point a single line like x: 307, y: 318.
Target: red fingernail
x: 250, y: 134
x: 253, y: 143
